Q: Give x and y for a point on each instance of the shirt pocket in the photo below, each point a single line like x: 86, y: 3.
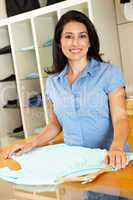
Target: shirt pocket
x: 96, y: 102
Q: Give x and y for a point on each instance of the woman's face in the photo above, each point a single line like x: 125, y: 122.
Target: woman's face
x: 75, y: 41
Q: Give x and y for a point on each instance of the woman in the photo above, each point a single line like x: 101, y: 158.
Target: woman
x: 87, y: 94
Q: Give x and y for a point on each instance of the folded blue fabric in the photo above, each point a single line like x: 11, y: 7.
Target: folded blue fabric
x: 36, y: 100
x: 45, y: 165
x: 33, y: 75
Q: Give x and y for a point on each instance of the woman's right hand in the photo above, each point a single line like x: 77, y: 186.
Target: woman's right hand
x: 18, y: 149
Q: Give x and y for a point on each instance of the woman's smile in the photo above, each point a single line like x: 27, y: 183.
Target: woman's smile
x: 75, y: 50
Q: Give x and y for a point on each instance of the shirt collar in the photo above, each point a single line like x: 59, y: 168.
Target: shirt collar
x: 90, y: 69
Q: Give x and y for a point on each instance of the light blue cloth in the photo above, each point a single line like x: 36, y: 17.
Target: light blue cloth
x: 44, y: 166
x: 48, y: 43
x: 28, y: 48
x: 83, y: 108
x: 33, y: 75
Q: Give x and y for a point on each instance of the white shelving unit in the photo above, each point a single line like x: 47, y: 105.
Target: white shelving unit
x: 125, y: 30
x: 31, y: 37
x: 10, y: 118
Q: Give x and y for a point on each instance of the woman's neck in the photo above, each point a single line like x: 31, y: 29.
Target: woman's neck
x: 75, y: 67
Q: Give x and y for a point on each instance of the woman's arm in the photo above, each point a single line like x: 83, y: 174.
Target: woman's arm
x: 49, y: 133
x: 116, y: 155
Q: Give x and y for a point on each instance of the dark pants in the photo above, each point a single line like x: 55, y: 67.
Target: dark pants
x: 100, y: 196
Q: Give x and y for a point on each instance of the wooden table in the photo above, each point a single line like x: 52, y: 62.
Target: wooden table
x: 118, y: 183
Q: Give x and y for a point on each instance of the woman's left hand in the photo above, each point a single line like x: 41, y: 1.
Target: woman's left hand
x: 116, y: 158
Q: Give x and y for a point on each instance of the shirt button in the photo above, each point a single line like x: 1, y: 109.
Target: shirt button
x: 77, y: 106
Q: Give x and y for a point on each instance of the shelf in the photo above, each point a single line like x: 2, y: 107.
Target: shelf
x: 22, y: 34
x: 27, y: 79
x: 9, y: 108
x: 82, y: 7
x: 33, y: 107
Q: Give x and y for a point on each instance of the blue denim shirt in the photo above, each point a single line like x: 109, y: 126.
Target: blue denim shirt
x: 83, y: 108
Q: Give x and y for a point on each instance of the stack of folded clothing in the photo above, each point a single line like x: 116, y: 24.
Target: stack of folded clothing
x: 6, y: 49
x: 35, y: 101
x: 17, y: 132
x: 12, y: 104
x: 12, y: 77
x: 33, y: 75
x: 48, y: 43
x: 50, y: 2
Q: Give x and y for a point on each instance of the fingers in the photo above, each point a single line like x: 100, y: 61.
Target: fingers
x: 116, y: 159
x: 16, y: 149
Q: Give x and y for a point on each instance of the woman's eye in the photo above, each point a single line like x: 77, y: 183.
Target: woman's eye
x: 83, y: 36
x: 68, y: 36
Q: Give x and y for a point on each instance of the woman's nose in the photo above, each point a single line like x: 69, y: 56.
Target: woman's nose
x: 75, y: 41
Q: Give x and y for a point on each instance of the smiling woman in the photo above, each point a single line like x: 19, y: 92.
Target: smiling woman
x: 87, y: 94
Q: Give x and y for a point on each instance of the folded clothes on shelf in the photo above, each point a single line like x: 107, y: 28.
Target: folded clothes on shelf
x: 124, y: 1
x: 18, y: 135
x: 18, y: 129
x: 12, y: 104
x: 33, y: 75
x: 48, y: 43
x: 14, y: 7
x: 35, y: 101
x: 28, y: 48
x: 17, y: 132
x: 12, y: 77
x: 50, y: 2
x: 6, y: 49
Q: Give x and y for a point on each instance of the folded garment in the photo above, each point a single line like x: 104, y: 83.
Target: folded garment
x: 46, y: 165
x: 28, y: 48
x: 14, y: 7
x: 124, y: 1
x: 6, y: 49
x: 12, y: 77
x: 19, y: 134
x: 35, y: 101
x: 18, y: 129
x: 12, y: 104
x: 48, y: 43
x: 33, y: 75
x: 50, y: 2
